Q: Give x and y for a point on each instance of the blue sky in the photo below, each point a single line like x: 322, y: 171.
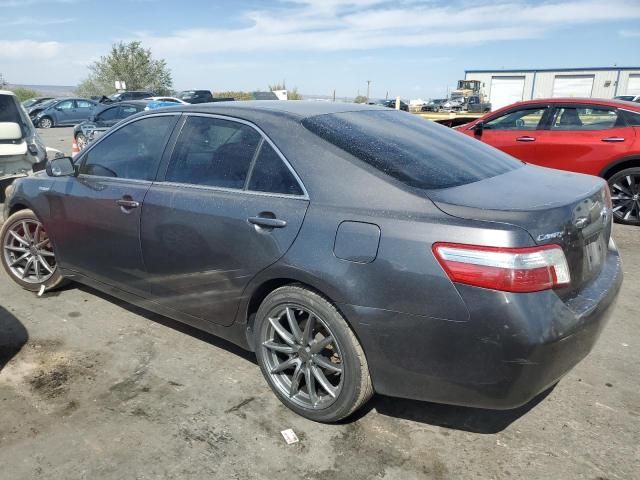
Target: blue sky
x: 411, y: 48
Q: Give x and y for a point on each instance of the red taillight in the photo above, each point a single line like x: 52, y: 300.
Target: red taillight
x: 529, y: 269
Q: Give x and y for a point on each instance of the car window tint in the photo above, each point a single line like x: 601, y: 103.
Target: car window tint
x: 417, y: 152
x: 527, y: 119
x: 108, y: 114
x: 66, y: 105
x: 270, y: 174
x: 132, y: 151
x: 84, y: 104
x: 127, y: 111
x: 633, y: 118
x: 571, y: 118
x: 8, y: 109
x: 213, y: 152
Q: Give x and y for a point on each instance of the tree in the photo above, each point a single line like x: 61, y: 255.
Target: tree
x: 25, y: 93
x: 360, y: 99
x: 131, y: 63
x: 237, y: 95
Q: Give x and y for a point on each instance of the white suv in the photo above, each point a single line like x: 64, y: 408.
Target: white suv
x: 21, y: 148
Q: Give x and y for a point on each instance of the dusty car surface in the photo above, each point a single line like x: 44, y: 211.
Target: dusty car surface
x: 354, y: 249
x: 21, y: 149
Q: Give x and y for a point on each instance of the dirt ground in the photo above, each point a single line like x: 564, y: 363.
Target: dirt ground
x: 91, y: 388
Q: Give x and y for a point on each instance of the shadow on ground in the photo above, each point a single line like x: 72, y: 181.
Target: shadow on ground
x: 13, y: 336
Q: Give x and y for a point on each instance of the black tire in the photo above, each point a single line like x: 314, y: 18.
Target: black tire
x: 625, y: 195
x: 53, y: 281
x: 45, y: 122
x: 355, y: 383
x: 81, y: 140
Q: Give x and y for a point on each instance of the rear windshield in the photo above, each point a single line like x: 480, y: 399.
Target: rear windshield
x: 415, y: 151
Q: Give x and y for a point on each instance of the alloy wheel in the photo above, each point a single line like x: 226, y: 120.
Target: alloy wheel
x: 81, y: 141
x: 28, y: 252
x: 45, y: 123
x: 625, y: 196
x: 303, y: 357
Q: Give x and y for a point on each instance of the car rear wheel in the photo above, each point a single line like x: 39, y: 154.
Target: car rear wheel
x: 45, y: 122
x: 27, y: 252
x: 625, y: 196
x: 309, y: 355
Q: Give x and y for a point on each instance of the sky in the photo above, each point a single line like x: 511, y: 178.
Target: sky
x: 411, y: 48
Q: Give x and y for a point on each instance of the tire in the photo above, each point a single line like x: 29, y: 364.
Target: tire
x: 625, y: 196
x: 81, y: 141
x: 340, y: 364
x: 39, y: 250
x: 45, y: 122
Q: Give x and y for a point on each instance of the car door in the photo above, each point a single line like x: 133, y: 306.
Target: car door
x: 229, y: 206
x: 83, y: 110
x: 65, y: 112
x: 584, y: 138
x: 108, y: 117
x: 516, y: 131
x: 95, y: 217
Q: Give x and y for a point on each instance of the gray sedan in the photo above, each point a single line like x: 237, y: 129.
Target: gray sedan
x: 64, y: 111
x: 353, y: 248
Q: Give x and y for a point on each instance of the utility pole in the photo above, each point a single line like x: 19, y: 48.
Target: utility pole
x: 368, y: 85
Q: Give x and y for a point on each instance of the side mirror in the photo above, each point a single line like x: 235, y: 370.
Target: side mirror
x: 478, y: 128
x: 61, y: 167
x: 10, y: 131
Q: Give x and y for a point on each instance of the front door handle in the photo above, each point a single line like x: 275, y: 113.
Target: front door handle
x: 266, y: 222
x: 126, y: 204
x: 526, y: 139
x: 613, y: 139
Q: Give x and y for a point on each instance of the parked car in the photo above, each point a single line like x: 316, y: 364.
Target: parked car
x: 353, y: 248
x: 196, y: 96
x: 127, y: 95
x: 594, y: 136
x: 21, y: 148
x: 32, y: 102
x: 628, y: 98
x: 391, y: 103
x: 104, y: 117
x: 433, y: 105
x: 474, y: 104
x: 64, y: 111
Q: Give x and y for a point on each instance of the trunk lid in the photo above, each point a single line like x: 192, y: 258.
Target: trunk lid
x: 553, y: 206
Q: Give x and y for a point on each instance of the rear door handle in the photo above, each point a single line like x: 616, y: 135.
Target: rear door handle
x: 127, y: 204
x: 267, y: 222
x: 526, y: 139
x: 613, y: 139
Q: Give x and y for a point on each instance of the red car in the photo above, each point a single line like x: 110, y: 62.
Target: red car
x: 593, y: 136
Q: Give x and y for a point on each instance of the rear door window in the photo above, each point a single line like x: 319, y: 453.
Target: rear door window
x: 524, y: 119
x: 213, y: 152
x: 410, y: 149
x: 271, y: 174
x: 584, y: 118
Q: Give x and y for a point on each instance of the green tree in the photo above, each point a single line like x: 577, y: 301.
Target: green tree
x: 131, y: 63
x: 360, y: 99
x: 25, y: 93
x: 238, y: 95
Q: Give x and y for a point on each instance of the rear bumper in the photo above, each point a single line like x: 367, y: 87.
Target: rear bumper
x: 512, y: 347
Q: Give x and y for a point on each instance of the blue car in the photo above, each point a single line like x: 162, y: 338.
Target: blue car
x: 64, y: 111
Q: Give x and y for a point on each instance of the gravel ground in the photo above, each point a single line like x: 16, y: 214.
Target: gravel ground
x: 91, y: 388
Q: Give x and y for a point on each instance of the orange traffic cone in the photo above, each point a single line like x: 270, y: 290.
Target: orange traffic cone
x: 74, y: 147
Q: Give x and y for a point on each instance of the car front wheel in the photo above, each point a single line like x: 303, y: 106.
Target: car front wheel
x: 27, y: 253
x: 45, y: 122
x: 309, y: 355
x: 625, y: 196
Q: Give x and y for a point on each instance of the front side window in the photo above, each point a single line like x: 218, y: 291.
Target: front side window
x: 66, y: 105
x: 213, y: 152
x: 633, y: 118
x: 527, y: 119
x: 416, y: 152
x: 133, y: 151
x: 270, y: 174
x: 572, y: 118
x: 108, y: 115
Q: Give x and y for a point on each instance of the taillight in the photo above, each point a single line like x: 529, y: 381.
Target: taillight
x: 529, y: 269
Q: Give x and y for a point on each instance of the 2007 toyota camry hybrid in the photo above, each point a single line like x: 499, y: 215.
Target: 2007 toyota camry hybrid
x: 354, y: 249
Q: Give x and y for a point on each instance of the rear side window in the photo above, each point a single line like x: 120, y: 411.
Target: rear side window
x: 270, y: 174
x: 415, y: 151
x: 572, y: 118
x: 213, y: 152
x: 633, y: 118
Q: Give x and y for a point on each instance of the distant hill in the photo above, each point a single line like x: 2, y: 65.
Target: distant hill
x: 48, y: 90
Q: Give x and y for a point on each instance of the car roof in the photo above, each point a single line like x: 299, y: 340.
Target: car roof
x: 7, y: 92
x: 609, y: 102
x: 298, y: 108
